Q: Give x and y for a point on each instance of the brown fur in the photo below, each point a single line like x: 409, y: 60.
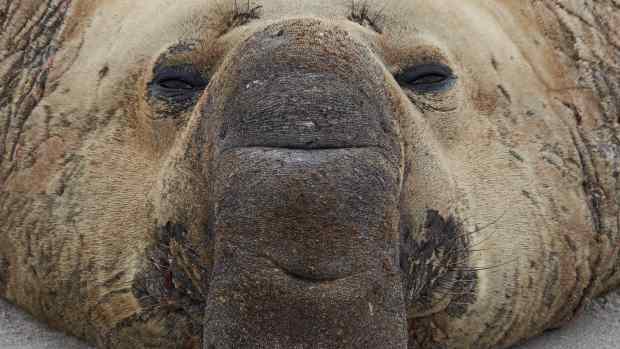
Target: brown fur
x: 483, y: 202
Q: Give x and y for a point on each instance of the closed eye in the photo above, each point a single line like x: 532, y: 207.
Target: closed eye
x: 424, y: 78
x: 180, y: 79
x: 176, y: 84
x: 181, y: 85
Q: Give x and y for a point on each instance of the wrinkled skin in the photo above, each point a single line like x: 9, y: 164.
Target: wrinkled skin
x: 200, y: 174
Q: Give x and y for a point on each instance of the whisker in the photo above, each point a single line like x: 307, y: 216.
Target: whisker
x: 484, y: 227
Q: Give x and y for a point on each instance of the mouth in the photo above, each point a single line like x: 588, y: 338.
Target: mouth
x: 310, y: 146
x: 313, y: 278
x: 259, y: 304
x: 297, y: 149
x: 309, y: 274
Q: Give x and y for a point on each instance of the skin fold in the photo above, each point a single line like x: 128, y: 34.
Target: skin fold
x: 308, y: 174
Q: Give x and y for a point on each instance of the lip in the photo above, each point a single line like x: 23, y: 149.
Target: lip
x: 311, y: 215
x: 303, y: 153
x: 308, y: 275
x: 307, y: 147
x: 294, y: 148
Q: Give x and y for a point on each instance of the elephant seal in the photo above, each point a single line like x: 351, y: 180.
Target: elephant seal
x: 308, y: 174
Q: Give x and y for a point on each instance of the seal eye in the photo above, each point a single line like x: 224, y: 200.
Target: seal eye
x: 422, y: 78
x: 177, y: 83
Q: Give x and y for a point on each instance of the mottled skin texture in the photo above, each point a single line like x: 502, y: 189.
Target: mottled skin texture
x: 303, y: 198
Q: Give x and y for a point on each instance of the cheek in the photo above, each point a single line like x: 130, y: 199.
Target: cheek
x: 483, y: 98
x: 427, y: 181
x: 41, y: 157
x: 446, y: 115
x: 110, y: 187
x: 37, y: 177
x: 154, y: 131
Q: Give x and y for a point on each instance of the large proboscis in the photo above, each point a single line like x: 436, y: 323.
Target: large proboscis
x: 308, y: 174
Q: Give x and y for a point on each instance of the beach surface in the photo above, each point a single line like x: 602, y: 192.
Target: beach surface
x: 598, y: 327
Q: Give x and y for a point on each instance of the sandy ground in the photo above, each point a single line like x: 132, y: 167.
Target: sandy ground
x: 598, y: 328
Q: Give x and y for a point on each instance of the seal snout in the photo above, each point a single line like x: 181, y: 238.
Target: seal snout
x: 307, y: 210
x: 305, y: 164
x: 305, y: 187
x: 286, y: 92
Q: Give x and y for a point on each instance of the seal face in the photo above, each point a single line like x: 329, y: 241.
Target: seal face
x: 336, y: 174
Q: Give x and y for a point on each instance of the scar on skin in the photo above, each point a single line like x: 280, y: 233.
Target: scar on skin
x: 103, y: 72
